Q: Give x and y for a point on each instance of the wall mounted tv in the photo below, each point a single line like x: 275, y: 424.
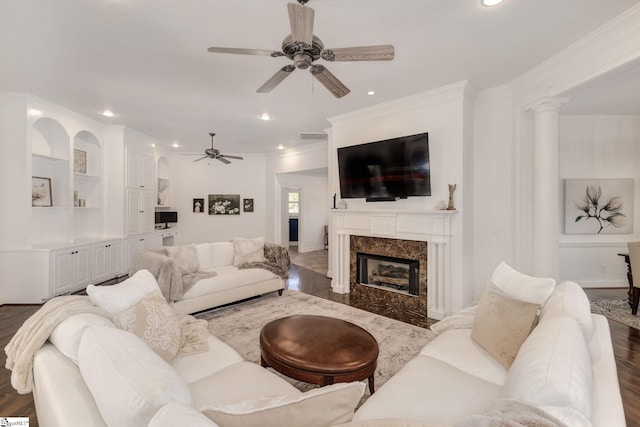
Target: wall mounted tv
x: 165, y: 217
x: 386, y: 170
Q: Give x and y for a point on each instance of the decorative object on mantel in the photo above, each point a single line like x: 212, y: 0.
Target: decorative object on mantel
x: 198, y: 205
x: 441, y: 206
x: 598, y: 206
x: 334, y: 200
x: 41, y: 192
x: 452, y: 188
x: 224, y: 204
x: 247, y: 205
x: 342, y: 204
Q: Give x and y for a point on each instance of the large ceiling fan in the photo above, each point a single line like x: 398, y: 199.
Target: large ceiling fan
x: 213, y: 153
x: 304, y: 48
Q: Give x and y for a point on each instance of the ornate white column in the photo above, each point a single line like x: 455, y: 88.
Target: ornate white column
x: 546, y: 188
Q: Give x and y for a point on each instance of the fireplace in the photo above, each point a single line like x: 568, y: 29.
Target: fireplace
x: 389, y: 273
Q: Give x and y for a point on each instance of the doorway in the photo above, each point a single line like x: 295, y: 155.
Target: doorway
x: 292, y: 204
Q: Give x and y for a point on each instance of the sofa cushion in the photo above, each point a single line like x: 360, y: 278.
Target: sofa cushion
x: 520, y: 286
x: 248, y: 250
x: 155, y: 323
x: 456, y: 348
x: 116, y: 298
x: 205, y: 256
x: 127, y: 379
x: 553, y: 367
x: 186, y: 258
x: 177, y: 414
x: 228, y: 277
x: 238, y: 382
x: 454, y: 393
x: 193, y: 367
x: 319, y: 407
x: 568, y: 299
x: 66, y: 336
x: 223, y: 253
x: 501, y: 324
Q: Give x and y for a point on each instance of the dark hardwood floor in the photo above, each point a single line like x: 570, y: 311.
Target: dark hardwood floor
x: 626, y: 345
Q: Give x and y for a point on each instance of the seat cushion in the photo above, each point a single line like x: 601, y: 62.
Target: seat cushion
x: 194, y: 367
x: 177, y: 414
x: 205, y: 256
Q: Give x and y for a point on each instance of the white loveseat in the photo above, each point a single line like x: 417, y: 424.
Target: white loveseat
x: 206, y: 275
x: 565, y: 367
x: 91, y: 373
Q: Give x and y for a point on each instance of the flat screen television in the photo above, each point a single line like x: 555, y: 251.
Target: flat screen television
x: 386, y: 170
x: 165, y: 217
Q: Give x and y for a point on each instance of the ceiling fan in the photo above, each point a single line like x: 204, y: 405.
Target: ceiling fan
x: 304, y: 48
x: 213, y: 153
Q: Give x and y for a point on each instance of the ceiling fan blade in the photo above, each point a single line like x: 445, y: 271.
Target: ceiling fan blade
x: 201, y: 158
x: 384, y: 52
x: 329, y: 81
x: 301, y: 20
x: 223, y: 160
x: 230, y: 157
x: 259, y: 52
x: 276, y: 79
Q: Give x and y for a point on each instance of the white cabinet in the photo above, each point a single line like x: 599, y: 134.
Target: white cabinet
x: 140, y: 211
x: 170, y: 236
x: 140, y: 170
x: 107, y: 258
x: 71, y: 269
x: 140, y: 243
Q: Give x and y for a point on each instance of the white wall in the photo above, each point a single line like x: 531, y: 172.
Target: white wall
x: 313, y: 209
x: 191, y: 180
x: 599, y: 147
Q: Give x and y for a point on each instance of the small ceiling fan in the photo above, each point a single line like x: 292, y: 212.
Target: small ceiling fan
x: 304, y: 48
x: 213, y: 153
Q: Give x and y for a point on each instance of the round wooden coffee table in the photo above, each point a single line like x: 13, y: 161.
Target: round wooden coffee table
x: 319, y: 350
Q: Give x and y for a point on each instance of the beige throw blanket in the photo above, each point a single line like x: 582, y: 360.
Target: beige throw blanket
x: 276, y: 260
x: 510, y: 413
x: 35, y: 331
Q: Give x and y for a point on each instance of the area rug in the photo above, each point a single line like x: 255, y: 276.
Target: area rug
x: 617, y: 310
x: 239, y: 326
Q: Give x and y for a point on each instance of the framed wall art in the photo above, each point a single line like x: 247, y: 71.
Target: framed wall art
x: 79, y: 161
x: 224, y: 204
x: 198, y: 205
x: 247, y: 205
x: 41, y: 192
x: 598, y: 206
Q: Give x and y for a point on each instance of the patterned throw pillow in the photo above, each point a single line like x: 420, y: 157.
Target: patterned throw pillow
x: 248, y: 250
x: 155, y: 322
x: 186, y: 257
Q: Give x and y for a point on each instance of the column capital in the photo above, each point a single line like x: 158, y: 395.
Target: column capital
x: 545, y: 104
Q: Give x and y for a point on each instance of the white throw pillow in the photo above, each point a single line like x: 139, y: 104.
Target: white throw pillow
x: 66, y: 336
x: 520, y: 286
x: 319, y: 407
x: 129, y: 381
x: 177, y: 415
x: 223, y: 253
x: 116, y: 298
x: 155, y: 323
x: 248, y: 250
x: 186, y: 257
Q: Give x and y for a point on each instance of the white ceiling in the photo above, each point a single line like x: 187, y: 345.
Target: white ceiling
x: 147, y: 60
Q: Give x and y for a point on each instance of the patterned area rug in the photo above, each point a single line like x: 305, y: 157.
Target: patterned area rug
x: 617, y: 310
x: 239, y: 326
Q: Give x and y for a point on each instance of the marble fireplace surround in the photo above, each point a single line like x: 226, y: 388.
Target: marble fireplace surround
x: 432, y: 227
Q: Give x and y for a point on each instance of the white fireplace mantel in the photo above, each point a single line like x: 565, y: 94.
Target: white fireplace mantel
x: 433, y: 227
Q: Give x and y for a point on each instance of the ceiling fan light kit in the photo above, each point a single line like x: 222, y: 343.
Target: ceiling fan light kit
x: 304, y: 48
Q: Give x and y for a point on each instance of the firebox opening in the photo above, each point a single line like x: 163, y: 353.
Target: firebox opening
x: 389, y: 273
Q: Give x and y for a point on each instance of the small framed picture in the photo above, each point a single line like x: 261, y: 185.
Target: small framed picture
x: 79, y: 161
x: 198, y: 205
x: 41, y: 192
x: 247, y: 205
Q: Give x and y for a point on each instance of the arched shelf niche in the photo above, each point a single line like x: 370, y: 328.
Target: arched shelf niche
x: 163, y: 173
x: 87, y: 175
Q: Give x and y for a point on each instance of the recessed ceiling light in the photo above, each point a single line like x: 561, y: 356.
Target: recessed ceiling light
x: 175, y: 145
x: 265, y: 117
x: 490, y: 3
x: 371, y: 92
x: 280, y: 147
x: 34, y: 112
x: 107, y: 113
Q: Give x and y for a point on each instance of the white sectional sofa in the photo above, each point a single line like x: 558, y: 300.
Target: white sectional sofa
x: 201, y: 276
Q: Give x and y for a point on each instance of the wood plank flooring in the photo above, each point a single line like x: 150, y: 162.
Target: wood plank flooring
x: 626, y: 345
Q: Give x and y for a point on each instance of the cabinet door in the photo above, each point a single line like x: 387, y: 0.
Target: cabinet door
x: 147, y: 171
x: 99, y: 263
x: 133, y: 169
x: 133, y: 212
x: 147, y: 211
x: 114, y: 257
x: 82, y: 267
x: 63, y: 270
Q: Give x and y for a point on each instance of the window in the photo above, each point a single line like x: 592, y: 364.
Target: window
x: 294, y: 203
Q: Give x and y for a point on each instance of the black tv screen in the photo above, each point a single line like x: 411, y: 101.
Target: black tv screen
x: 164, y: 217
x: 386, y: 170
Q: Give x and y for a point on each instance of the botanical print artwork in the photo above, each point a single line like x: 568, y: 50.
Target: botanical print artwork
x: 224, y: 204
x: 41, y: 192
x: 599, y: 206
x: 247, y: 205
